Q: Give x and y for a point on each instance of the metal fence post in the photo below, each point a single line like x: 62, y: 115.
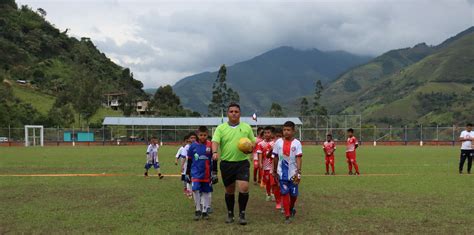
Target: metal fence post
x: 453, y: 135
x: 406, y: 137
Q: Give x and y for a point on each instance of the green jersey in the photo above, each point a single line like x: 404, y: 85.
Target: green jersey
x: 228, y: 138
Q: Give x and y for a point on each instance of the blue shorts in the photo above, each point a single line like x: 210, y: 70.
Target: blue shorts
x: 203, y: 187
x: 287, y: 186
x: 156, y: 165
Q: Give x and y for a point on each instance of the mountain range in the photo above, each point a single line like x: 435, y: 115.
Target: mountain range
x: 279, y: 75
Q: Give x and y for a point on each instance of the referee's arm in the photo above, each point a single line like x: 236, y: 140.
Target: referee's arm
x: 215, y: 148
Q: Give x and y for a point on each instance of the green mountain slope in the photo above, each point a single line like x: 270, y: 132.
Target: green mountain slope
x: 56, y: 65
x: 278, y: 75
x: 439, y: 88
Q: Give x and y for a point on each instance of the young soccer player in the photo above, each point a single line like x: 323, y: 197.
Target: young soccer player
x: 264, y: 150
x: 181, y: 158
x: 257, y: 171
x: 152, y: 158
x: 351, y: 146
x: 287, y: 169
x: 329, y: 147
x: 199, y: 171
x: 191, y: 139
x: 467, y: 151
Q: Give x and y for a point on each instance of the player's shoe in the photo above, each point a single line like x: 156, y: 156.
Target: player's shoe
x: 350, y: 173
x: 333, y: 173
x: 268, y: 198
x: 230, y: 218
x: 357, y: 173
x: 146, y: 174
x: 205, y: 216
x: 293, y: 212
x: 210, y: 210
x: 287, y: 220
x: 273, y: 197
x: 255, y: 183
x: 327, y: 173
x: 160, y: 176
x: 278, y: 206
x: 282, y: 210
x: 197, y: 215
x: 242, y: 220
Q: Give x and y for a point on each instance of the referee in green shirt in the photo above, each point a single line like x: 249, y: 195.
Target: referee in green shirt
x: 234, y: 163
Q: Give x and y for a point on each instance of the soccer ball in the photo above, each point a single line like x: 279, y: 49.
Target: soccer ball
x: 245, y: 145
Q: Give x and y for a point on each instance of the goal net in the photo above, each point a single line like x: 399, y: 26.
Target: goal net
x: 34, y: 135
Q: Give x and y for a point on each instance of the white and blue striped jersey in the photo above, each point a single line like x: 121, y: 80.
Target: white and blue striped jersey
x: 286, y: 152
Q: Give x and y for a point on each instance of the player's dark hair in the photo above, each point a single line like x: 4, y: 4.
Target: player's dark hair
x: 269, y: 128
x: 329, y: 134
x: 186, y: 137
x: 278, y: 130
x: 350, y: 130
x: 259, y: 129
x: 202, y: 129
x: 192, y: 133
x: 233, y: 104
x: 289, y: 124
x: 469, y: 124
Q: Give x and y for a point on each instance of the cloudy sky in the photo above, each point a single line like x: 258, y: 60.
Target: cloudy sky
x: 164, y: 41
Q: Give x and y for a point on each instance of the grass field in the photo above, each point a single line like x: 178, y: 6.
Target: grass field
x: 401, y: 190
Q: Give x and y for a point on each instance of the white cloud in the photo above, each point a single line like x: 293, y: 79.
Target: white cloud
x: 163, y: 41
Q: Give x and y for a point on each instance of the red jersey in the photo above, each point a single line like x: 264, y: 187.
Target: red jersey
x: 329, y: 148
x: 255, y: 155
x: 351, y: 143
x: 265, y: 148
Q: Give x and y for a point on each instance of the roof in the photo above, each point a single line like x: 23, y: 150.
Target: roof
x: 192, y: 121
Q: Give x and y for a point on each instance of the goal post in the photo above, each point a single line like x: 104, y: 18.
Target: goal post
x: 32, y: 137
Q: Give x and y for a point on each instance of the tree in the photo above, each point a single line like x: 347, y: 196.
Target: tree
x: 86, y: 95
x: 318, y: 109
x: 221, y: 94
x: 61, y: 116
x: 166, y: 103
x: 42, y: 12
x: 304, y: 108
x: 276, y: 110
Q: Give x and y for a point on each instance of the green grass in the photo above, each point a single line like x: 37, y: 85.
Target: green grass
x: 425, y: 196
x: 42, y: 102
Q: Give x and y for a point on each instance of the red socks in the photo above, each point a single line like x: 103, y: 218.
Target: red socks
x: 292, y: 202
x: 356, y: 166
x: 286, y: 204
x: 276, y: 192
x: 268, y: 187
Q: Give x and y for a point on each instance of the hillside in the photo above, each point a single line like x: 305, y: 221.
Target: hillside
x: 438, y: 88
x: 57, y: 65
x: 278, y: 75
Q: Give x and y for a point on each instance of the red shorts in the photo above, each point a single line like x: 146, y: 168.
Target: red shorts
x: 268, y: 178
x: 351, y: 155
x: 330, y: 158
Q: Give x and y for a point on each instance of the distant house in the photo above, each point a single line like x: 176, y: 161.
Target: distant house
x: 113, y: 100
x: 142, y: 107
x: 22, y: 82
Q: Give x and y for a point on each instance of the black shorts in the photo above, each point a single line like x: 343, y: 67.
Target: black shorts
x: 232, y: 171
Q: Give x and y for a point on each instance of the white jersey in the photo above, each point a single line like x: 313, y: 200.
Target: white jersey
x: 467, y: 145
x: 179, y: 154
x: 152, y: 153
x: 184, y: 152
x: 287, y: 152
